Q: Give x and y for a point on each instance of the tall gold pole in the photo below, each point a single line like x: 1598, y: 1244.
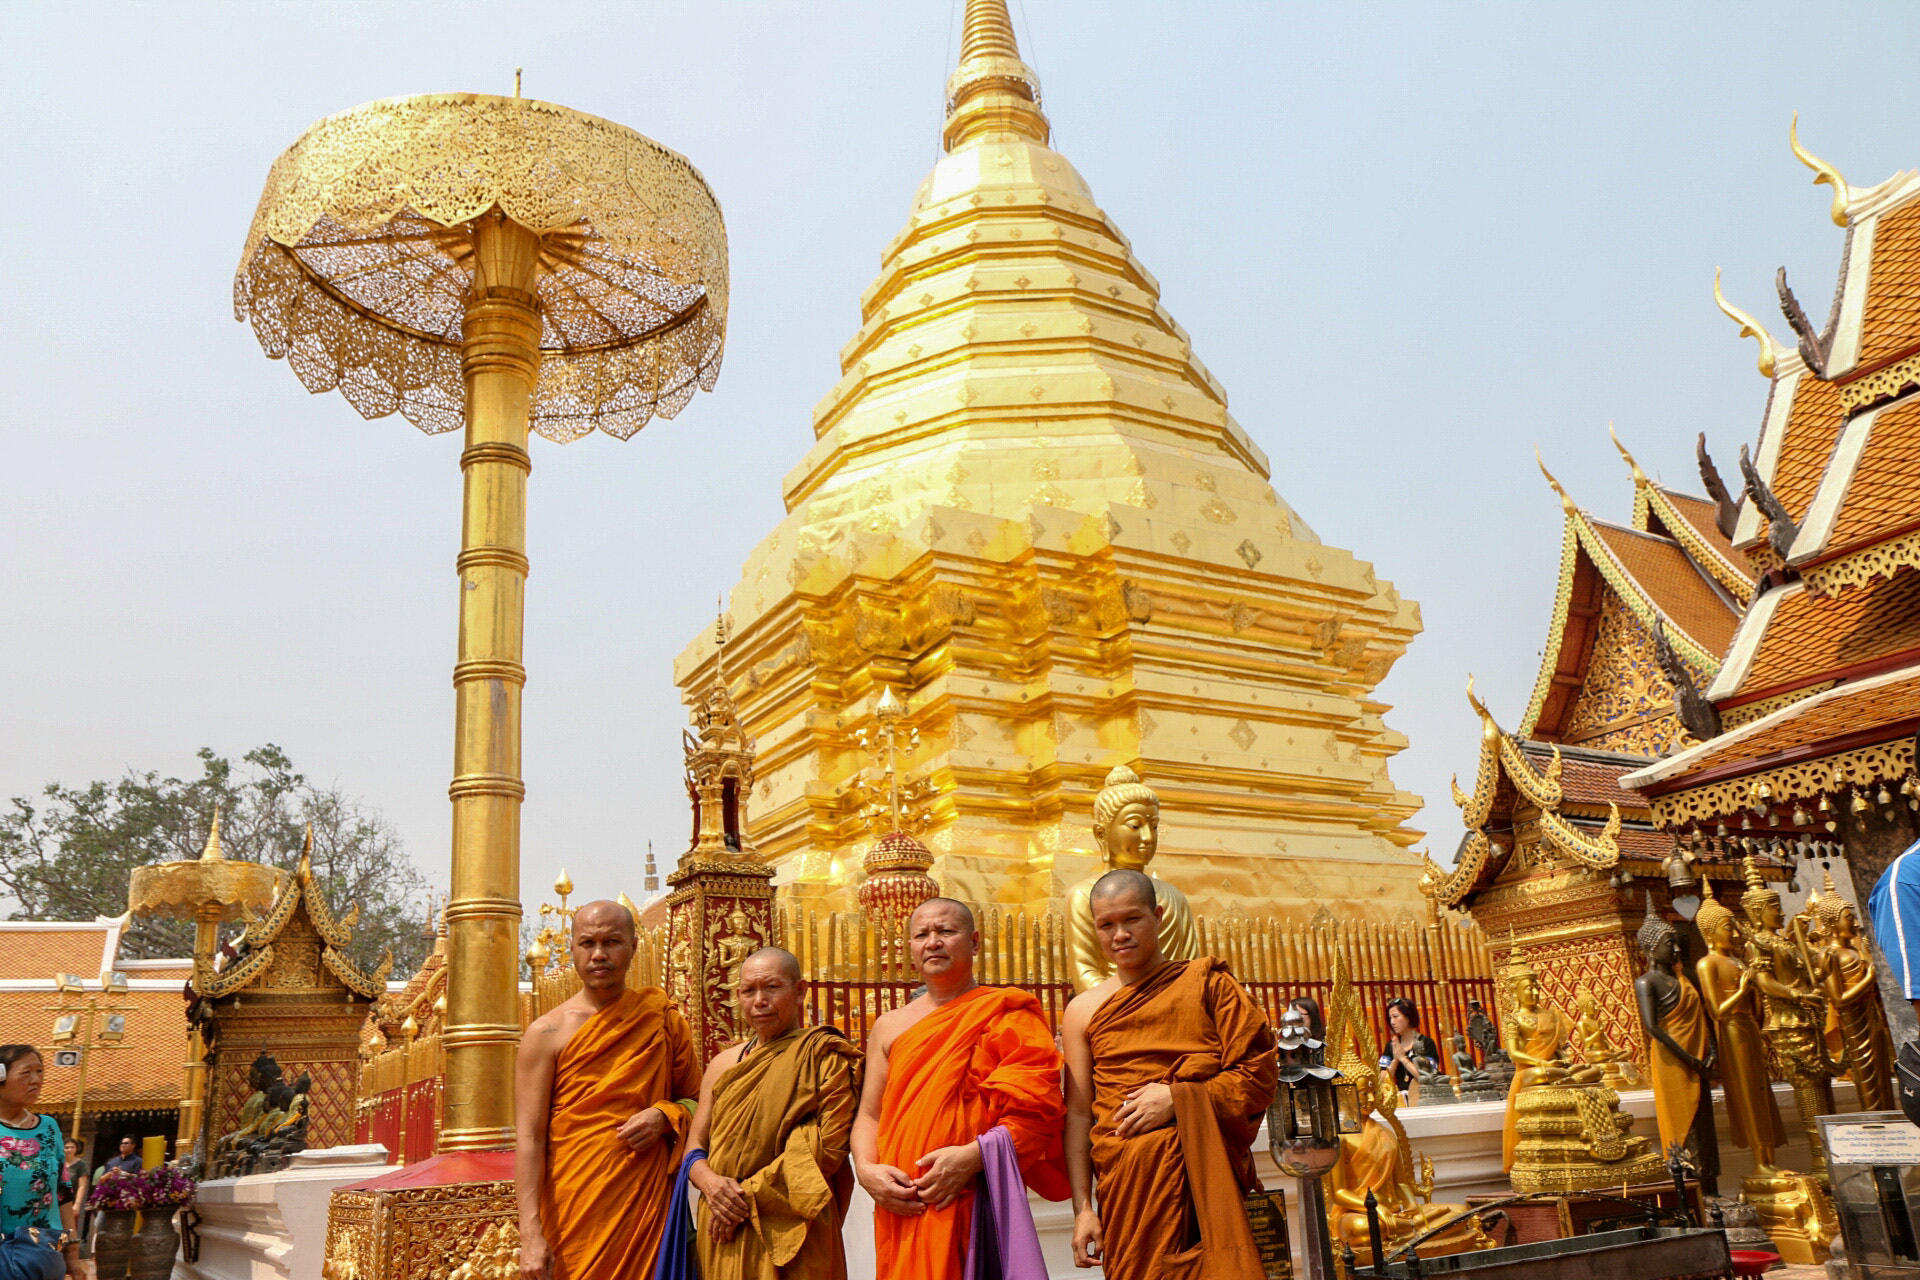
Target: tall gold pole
x: 500, y: 359
x: 193, y: 1091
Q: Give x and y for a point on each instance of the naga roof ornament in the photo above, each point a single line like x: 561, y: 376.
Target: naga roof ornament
x: 1823, y: 171
x: 1749, y: 327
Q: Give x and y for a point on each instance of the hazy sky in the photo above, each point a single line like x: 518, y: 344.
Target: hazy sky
x: 1412, y: 241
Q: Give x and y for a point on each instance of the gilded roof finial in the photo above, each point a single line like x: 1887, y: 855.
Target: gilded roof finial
x: 1487, y: 723
x: 306, y: 855
x: 213, y: 852
x: 652, y: 883
x: 992, y: 93
x: 1822, y: 172
x: 1749, y: 327
x: 1566, y: 503
x: 1639, y: 476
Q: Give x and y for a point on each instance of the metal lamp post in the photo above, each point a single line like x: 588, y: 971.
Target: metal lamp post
x: 1313, y: 1106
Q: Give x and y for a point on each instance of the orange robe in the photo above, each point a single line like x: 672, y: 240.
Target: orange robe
x: 1676, y: 1089
x: 983, y: 1059
x: 1169, y: 1206
x: 602, y: 1204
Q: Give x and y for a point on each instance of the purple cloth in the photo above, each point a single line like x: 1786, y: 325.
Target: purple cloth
x: 1005, y: 1245
x: 677, y: 1259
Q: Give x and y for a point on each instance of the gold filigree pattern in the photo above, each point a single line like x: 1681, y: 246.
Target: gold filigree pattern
x: 1542, y: 788
x: 1881, y: 560
x: 358, y: 266
x: 1882, y: 384
x: 1626, y: 701
x: 1883, y: 762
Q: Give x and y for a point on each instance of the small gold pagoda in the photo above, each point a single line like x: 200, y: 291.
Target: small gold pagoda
x: 1028, y: 510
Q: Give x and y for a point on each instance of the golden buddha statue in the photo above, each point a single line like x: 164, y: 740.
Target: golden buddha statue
x: 1847, y: 975
x: 1596, y: 1046
x: 1564, y: 1130
x: 1126, y: 826
x: 1380, y: 1159
x: 1681, y: 1052
x: 1782, y: 971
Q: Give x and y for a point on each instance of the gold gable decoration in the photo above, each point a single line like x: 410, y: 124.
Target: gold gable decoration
x: 254, y: 948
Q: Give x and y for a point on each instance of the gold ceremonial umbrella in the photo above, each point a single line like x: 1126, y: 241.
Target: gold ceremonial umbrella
x: 504, y: 265
x: 207, y: 890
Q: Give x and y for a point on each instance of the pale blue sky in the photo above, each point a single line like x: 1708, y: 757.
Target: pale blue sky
x: 1413, y: 241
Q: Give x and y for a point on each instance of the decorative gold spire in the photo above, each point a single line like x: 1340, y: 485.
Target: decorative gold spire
x: 1639, y: 476
x: 306, y: 855
x: 652, y: 882
x: 1822, y: 172
x: 213, y: 852
x: 992, y: 94
x: 1749, y: 327
x: 1566, y: 503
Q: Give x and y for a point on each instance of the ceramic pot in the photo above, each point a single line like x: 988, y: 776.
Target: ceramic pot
x: 154, y: 1246
x: 112, y: 1237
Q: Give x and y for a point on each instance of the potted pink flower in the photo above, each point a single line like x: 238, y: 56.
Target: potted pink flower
x: 163, y: 1190
x: 116, y: 1197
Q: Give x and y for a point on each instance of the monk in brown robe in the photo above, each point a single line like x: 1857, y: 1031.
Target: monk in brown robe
x: 597, y: 1116
x: 1170, y: 1068
x: 775, y: 1113
x: 942, y: 1071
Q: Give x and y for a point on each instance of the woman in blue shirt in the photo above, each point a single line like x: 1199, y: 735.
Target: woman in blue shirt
x: 29, y: 1150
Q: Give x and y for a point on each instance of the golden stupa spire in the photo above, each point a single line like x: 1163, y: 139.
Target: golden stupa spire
x: 213, y: 852
x: 992, y: 94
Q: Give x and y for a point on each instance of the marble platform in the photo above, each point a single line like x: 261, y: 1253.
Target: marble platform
x: 273, y: 1226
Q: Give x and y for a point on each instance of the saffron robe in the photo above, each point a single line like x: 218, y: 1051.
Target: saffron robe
x: 779, y: 1128
x: 982, y: 1059
x: 604, y: 1205
x: 1676, y: 1089
x: 1164, y: 1212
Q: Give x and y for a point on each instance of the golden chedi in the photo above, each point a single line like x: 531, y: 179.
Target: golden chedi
x: 1850, y: 982
x: 1565, y: 1130
x: 1025, y: 505
x: 1126, y: 827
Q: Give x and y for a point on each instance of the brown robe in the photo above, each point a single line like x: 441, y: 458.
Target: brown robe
x: 1170, y: 1199
x: 779, y: 1128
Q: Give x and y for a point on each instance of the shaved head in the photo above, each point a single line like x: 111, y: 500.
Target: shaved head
x: 1122, y: 883
x: 780, y: 957
x: 604, y: 913
x: 961, y: 907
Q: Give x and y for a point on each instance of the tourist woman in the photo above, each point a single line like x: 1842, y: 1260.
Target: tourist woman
x: 1405, y: 1042
x: 73, y: 1187
x: 29, y: 1155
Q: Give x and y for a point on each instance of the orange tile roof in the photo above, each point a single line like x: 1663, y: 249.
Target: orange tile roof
x: 1891, y: 322
x: 1884, y: 493
x: 1811, y: 430
x: 1648, y: 846
x: 145, y: 1072
x: 1809, y: 637
x: 1846, y: 710
x: 1703, y: 515
x: 1675, y: 586
x: 1586, y: 781
x: 32, y: 952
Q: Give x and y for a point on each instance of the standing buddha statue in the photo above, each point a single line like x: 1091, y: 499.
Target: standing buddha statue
x: 1795, y: 1027
x: 1848, y: 977
x: 1126, y: 826
x: 1681, y: 1038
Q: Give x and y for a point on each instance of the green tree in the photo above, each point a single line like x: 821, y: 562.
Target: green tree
x: 68, y: 853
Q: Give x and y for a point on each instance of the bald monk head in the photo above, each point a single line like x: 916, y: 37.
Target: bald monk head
x: 603, y: 943
x: 769, y: 993
x: 1126, y: 919
x: 942, y: 941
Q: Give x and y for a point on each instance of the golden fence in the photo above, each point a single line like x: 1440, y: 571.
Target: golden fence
x: 558, y: 981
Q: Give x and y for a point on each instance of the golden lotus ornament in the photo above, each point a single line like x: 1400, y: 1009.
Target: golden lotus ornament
x: 505, y: 266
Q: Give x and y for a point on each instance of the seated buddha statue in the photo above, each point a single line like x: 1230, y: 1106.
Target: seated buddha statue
x: 1126, y: 826
x: 1565, y: 1130
x: 1379, y: 1159
x: 1596, y: 1046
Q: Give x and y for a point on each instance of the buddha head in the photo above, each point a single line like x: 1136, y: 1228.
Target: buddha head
x: 1126, y: 821
x: 1834, y: 914
x: 1759, y: 904
x: 1523, y: 982
x: 1658, y: 941
x: 1716, y: 925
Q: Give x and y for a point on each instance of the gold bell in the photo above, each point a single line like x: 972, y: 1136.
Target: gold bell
x: 1860, y: 804
x: 1800, y: 818
x: 1825, y: 805
x: 1884, y: 798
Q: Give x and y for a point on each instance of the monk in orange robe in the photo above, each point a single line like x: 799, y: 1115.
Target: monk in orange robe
x: 1170, y: 1069
x: 949, y: 1066
x: 604, y: 1087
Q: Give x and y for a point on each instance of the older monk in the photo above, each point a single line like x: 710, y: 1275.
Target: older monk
x: 942, y: 1071
x: 596, y: 1114
x: 775, y: 1112
x: 1170, y: 1067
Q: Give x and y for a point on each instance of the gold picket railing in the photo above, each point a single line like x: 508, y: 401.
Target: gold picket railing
x: 558, y: 981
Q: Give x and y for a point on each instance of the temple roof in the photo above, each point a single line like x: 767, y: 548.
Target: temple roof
x: 1794, y: 639
x: 300, y: 895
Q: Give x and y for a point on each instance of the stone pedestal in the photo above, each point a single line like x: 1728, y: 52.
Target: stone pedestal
x: 273, y: 1226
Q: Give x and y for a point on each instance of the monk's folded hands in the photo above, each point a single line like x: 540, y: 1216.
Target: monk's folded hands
x: 1145, y: 1109
x: 947, y: 1172
x: 892, y: 1190
x: 642, y: 1130
x: 727, y: 1204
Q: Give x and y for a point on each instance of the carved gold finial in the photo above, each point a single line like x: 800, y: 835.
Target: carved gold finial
x: 1749, y: 327
x: 1639, y: 476
x: 891, y: 802
x: 1822, y: 172
x: 1487, y: 724
x: 1566, y: 503
x: 213, y: 852
x: 306, y: 855
x: 516, y: 82
x: 563, y: 883
x: 992, y: 93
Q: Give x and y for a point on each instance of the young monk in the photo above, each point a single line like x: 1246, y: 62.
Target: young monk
x: 595, y: 1114
x: 775, y: 1112
x: 941, y: 1072
x: 1170, y: 1068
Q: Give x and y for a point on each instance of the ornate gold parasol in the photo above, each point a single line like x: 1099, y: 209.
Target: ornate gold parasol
x: 507, y: 265
x: 208, y: 890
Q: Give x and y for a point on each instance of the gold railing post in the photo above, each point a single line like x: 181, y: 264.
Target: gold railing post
x: 500, y: 359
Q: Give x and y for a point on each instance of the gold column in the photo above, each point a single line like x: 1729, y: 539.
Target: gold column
x: 500, y: 358
x: 193, y: 1088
